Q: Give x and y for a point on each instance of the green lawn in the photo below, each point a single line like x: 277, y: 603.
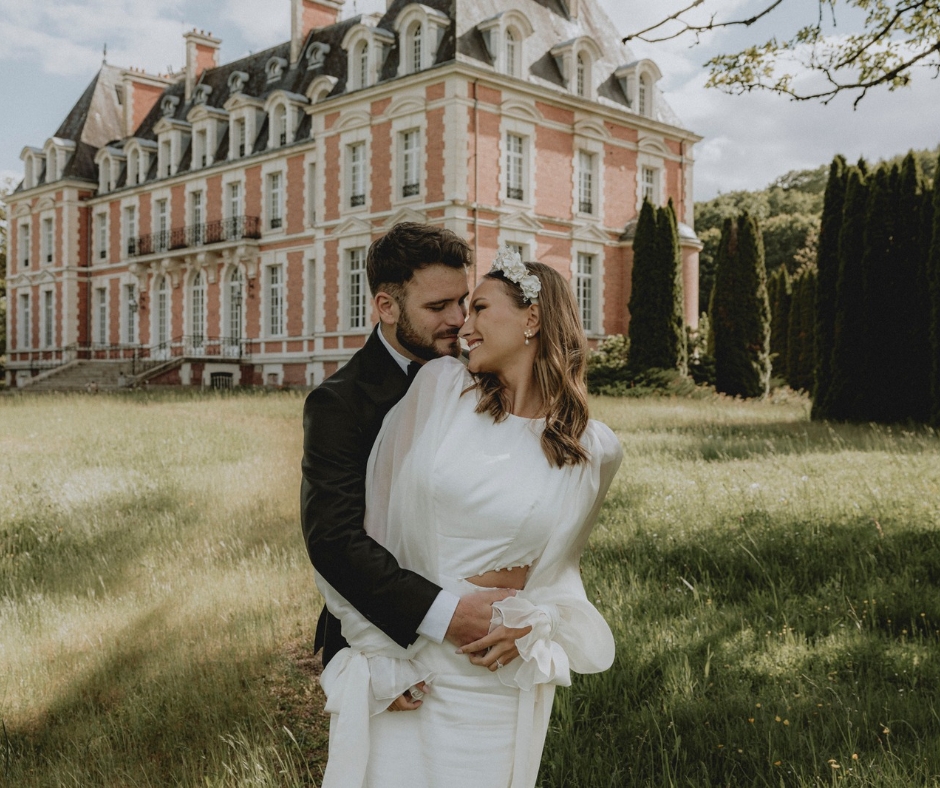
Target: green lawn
x: 772, y: 584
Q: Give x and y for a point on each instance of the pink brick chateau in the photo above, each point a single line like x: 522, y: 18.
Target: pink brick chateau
x: 209, y: 227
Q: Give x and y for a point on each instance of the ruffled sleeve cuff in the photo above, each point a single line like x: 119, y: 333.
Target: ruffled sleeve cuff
x: 542, y: 661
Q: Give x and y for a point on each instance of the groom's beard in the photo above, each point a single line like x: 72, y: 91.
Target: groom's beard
x: 423, y: 347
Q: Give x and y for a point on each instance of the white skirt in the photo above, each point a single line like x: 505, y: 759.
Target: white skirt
x: 462, y: 735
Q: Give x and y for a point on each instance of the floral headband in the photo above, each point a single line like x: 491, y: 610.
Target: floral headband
x: 510, y: 265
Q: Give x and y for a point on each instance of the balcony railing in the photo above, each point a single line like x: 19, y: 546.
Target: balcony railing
x: 410, y: 189
x: 514, y: 193
x: 587, y: 206
x: 233, y: 229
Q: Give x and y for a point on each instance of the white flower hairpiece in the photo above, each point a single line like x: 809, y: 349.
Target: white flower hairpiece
x: 510, y: 265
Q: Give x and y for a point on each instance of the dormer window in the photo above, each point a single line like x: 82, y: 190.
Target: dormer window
x: 201, y: 94
x: 109, y: 162
x: 245, y: 117
x: 283, y: 109
x: 275, y: 68
x: 366, y: 46
x: 575, y: 59
x: 237, y: 81
x: 316, y: 55
x: 638, y: 82
x: 420, y: 30
x: 504, y: 35
x: 168, y: 105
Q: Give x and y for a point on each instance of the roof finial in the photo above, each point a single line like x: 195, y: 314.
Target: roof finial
x: 104, y: 55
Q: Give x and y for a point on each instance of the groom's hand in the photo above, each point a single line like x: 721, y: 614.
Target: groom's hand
x: 472, y: 617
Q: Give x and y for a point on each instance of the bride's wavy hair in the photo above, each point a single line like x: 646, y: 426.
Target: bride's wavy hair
x: 559, y: 368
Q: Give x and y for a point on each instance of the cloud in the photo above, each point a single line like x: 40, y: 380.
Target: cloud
x: 66, y: 38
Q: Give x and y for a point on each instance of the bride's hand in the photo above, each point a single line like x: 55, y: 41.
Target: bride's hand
x: 405, y: 702
x: 497, y: 649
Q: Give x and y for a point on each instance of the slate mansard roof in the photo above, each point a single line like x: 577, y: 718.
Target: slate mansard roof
x: 97, y: 118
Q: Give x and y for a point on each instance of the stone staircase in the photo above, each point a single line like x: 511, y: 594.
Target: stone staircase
x: 84, y: 376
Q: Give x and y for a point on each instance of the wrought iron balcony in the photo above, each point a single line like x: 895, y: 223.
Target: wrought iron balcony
x: 410, y: 189
x: 236, y: 228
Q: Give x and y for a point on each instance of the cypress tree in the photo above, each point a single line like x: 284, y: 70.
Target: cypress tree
x: 779, y: 291
x: 933, y: 277
x: 912, y: 303
x: 849, y: 355
x: 671, y: 254
x: 801, y: 331
x: 827, y: 263
x: 643, y: 304
x: 657, y: 332
x: 807, y: 355
x: 740, y: 311
x: 880, y: 286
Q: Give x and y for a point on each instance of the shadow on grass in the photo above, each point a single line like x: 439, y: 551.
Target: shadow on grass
x: 139, y: 717
x: 765, y: 654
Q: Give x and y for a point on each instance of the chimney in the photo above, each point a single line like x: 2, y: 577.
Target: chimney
x: 307, y: 15
x: 141, y: 92
x: 202, y: 52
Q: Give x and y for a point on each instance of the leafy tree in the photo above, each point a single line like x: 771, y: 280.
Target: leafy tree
x: 785, y: 234
x: 849, y: 364
x: 780, y: 291
x: 827, y: 263
x: 657, y: 331
x: 740, y: 311
x: 897, y: 36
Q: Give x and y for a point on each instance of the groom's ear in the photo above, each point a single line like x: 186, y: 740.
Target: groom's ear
x: 387, y: 307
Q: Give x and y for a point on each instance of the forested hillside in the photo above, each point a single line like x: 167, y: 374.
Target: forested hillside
x: 788, y: 210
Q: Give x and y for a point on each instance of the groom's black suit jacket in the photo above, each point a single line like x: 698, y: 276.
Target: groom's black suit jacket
x: 342, y: 418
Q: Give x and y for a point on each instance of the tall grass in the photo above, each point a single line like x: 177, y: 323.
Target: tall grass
x: 151, y: 575
x: 772, y: 585
x: 773, y: 588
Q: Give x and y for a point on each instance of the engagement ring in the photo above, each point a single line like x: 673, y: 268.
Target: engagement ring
x: 416, y: 694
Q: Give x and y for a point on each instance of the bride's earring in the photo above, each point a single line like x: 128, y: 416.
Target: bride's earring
x: 528, y: 336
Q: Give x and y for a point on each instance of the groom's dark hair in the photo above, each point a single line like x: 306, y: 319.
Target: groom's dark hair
x: 408, y: 247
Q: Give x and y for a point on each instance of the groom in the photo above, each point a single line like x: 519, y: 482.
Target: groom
x: 418, y: 277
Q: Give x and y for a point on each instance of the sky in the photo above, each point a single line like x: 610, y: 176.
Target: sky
x: 51, y: 49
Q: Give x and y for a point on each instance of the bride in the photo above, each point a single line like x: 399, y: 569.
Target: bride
x: 489, y: 475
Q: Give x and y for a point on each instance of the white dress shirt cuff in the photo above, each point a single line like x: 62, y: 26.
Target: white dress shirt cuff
x: 435, y: 623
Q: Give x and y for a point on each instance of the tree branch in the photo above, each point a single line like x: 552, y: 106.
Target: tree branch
x: 697, y: 29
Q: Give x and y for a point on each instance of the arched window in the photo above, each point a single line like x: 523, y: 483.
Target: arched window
x: 512, y: 68
x: 581, y: 76
x: 362, y: 63
x: 642, y: 95
x: 416, y: 47
x: 198, y: 303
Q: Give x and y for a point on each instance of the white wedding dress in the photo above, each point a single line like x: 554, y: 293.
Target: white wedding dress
x: 452, y: 494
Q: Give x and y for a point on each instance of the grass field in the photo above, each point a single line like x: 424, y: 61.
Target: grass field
x: 774, y: 587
